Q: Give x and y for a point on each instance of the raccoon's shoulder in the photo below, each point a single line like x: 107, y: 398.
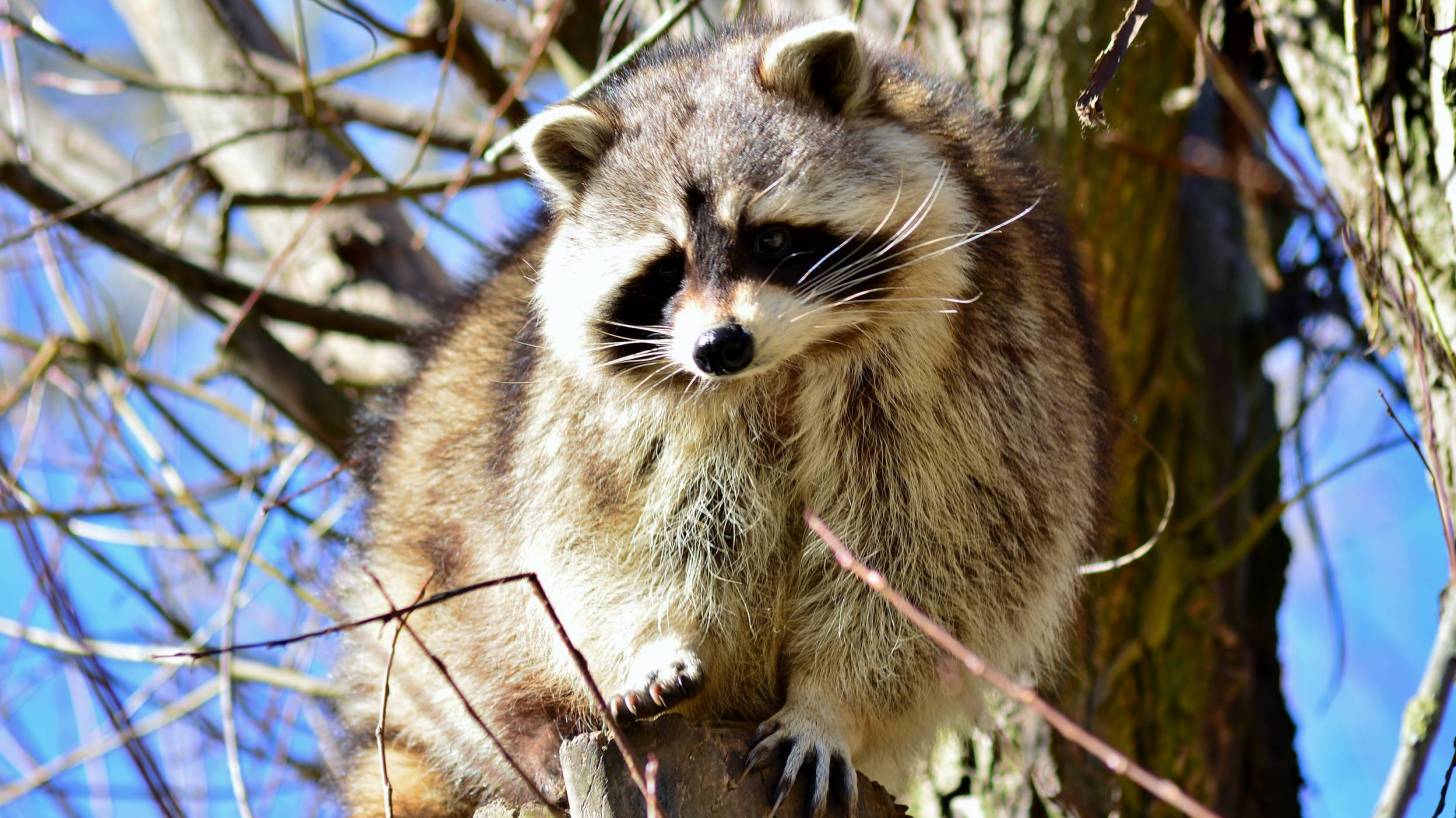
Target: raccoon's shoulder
x: 473, y: 360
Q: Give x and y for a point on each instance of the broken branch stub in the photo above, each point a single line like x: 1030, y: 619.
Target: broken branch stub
x: 699, y: 776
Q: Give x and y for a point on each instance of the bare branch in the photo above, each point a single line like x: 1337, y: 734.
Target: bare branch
x: 63, y: 609
x: 1422, y: 718
x: 1117, y: 762
x: 244, y: 670
x: 443, y: 24
x: 186, y: 275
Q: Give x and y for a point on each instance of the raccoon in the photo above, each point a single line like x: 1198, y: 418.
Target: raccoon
x: 781, y: 269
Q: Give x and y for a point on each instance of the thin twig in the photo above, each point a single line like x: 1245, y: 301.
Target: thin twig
x: 1431, y: 473
x: 464, y: 700
x: 384, y: 704
x: 244, y: 670
x: 278, y: 482
x: 1120, y: 764
x: 185, y: 274
x: 125, y: 730
x: 659, y: 27
x: 634, y: 767
x: 469, y: 56
x: 141, y: 79
x: 189, y: 703
x: 1424, y: 711
x: 518, y: 82
x: 433, y: 599
x: 1103, y: 566
x: 275, y: 264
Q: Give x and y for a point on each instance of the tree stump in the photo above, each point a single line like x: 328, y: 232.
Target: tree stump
x: 699, y: 775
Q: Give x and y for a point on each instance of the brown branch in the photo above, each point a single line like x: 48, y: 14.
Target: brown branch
x: 634, y: 768
x: 291, y: 384
x: 384, y: 701
x: 470, y: 57
x: 1161, y: 788
x: 464, y: 699
x: 276, y: 262
x: 487, y: 130
x: 76, y: 209
x: 365, y: 191
x: 451, y: 133
x: 433, y: 599
x: 187, y: 275
x: 1089, y: 102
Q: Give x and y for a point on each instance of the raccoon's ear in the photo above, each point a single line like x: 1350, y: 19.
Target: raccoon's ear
x: 821, y: 62
x: 562, y: 146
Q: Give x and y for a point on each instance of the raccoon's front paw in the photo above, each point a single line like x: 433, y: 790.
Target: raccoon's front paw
x: 668, y: 677
x: 807, y: 747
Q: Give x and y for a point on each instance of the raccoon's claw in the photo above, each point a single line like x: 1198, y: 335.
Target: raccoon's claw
x: 833, y: 774
x: 659, y: 690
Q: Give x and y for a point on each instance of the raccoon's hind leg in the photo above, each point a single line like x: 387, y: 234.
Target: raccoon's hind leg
x: 416, y: 789
x: 424, y: 787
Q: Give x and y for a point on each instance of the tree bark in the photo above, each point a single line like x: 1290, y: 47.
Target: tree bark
x: 706, y: 781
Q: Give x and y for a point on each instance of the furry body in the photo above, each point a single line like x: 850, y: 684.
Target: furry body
x: 931, y: 386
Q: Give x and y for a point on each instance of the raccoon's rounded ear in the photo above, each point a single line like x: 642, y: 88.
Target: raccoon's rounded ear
x: 562, y: 146
x: 821, y: 62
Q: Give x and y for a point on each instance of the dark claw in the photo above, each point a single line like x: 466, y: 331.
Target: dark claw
x: 846, y: 784
x: 795, y: 760
x: 833, y: 777
x: 763, y: 731
x: 762, y: 749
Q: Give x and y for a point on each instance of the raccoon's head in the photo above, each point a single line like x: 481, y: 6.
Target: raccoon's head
x: 727, y: 207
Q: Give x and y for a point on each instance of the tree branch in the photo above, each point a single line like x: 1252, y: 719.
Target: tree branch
x: 187, y: 275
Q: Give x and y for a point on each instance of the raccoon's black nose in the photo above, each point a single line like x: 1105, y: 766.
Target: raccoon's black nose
x: 724, y: 350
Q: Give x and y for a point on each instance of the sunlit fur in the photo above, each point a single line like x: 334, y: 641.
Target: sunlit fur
x: 939, y: 403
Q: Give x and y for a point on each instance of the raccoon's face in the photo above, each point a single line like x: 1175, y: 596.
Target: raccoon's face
x: 721, y: 212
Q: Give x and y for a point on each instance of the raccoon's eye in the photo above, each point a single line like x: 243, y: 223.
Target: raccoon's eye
x: 772, y: 242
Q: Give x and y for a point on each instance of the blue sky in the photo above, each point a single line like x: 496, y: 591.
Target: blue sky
x: 1380, y: 519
